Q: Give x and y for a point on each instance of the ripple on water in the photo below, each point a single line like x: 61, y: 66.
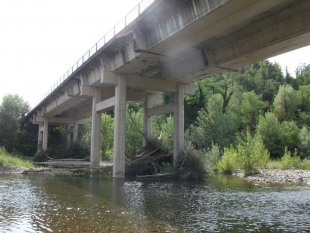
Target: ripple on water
x: 78, y: 205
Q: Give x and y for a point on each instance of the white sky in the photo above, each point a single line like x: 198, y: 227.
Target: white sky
x: 41, y: 39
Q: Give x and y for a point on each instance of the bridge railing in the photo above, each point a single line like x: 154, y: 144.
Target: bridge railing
x: 131, y: 16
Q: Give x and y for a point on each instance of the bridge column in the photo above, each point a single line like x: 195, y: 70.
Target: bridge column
x: 95, y: 134
x: 178, y: 139
x: 40, y: 137
x: 75, y: 132
x: 69, y: 131
x: 45, y: 134
x: 147, y: 121
x: 119, y: 128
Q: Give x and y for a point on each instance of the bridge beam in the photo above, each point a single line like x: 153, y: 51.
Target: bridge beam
x: 95, y: 134
x: 119, y: 128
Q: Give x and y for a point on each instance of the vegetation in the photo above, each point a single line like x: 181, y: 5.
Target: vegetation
x: 7, y: 160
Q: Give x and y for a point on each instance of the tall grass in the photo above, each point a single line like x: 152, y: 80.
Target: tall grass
x: 7, y: 160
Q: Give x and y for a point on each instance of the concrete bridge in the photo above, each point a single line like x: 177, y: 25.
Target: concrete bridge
x: 165, y: 46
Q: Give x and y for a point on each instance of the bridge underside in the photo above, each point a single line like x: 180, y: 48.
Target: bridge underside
x: 172, y: 44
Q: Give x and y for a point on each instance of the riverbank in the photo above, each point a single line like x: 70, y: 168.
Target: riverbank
x: 70, y: 169
x: 279, y: 176
x: 66, y: 167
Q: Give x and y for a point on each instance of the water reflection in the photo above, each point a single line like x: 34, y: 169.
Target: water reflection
x: 216, y: 204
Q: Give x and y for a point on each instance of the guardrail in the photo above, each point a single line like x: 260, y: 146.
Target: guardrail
x: 131, y: 16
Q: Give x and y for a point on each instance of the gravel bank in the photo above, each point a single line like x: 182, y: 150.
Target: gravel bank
x: 279, y: 176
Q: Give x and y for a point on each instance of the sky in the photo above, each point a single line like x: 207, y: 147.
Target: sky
x: 41, y: 39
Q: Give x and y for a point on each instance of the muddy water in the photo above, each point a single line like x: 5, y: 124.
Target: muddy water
x: 216, y: 204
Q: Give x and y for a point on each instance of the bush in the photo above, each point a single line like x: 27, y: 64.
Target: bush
x: 289, y: 162
x: 251, y: 153
x: 227, y: 164
x: 213, y: 155
x: 78, y: 150
x: 306, y: 164
x: 304, y: 146
x: 39, y: 157
x: 192, y: 165
x: 166, y: 167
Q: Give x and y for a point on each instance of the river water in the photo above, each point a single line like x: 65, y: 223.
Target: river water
x: 216, y: 204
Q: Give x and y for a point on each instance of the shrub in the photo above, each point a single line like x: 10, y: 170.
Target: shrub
x: 288, y: 161
x: 304, y: 146
x: 39, y: 157
x: 213, y: 155
x: 227, y: 164
x: 192, y: 165
x: 306, y: 164
x: 251, y: 153
x: 166, y: 167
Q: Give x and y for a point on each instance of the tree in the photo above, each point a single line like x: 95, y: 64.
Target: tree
x: 290, y: 133
x: 269, y: 130
x: 213, y: 127
x: 304, y: 146
x: 251, y: 107
x: 285, y: 103
x: 12, y: 110
x: 107, y: 134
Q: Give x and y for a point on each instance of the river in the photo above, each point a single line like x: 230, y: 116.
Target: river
x: 218, y: 203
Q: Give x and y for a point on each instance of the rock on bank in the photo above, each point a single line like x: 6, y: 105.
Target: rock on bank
x: 281, y: 176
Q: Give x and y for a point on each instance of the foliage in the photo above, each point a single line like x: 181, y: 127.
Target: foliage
x: 134, y: 129
x: 39, y: 157
x: 251, y: 153
x: 107, y: 135
x: 269, y: 130
x: 285, y: 103
x: 290, y: 134
x: 227, y: 164
x: 289, y: 161
x: 212, y: 155
x: 8, y: 160
x: 214, y: 126
x: 194, y: 165
x: 304, y: 146
x: 163, y: 127
x: 166, y: 167
x: 78, y: 150
x: 251, y: 107
x: 12, y: 110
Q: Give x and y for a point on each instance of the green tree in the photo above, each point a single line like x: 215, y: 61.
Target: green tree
x: 134, y: 129
x: 285, y: 103
x: 304, y: 146
x: 290, y: 134
x: 269, y: 130
x: 107, y: 135
x: 251, y: 107
x: 12, y: 111
x: 214, y: 126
